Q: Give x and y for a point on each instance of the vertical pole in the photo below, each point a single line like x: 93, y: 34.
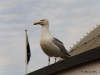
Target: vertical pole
x: 26, y: 53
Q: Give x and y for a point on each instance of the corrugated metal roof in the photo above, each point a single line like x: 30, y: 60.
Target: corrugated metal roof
x: 90, y: 41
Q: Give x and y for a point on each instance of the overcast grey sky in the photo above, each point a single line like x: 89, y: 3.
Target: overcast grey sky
x: 69, y: 21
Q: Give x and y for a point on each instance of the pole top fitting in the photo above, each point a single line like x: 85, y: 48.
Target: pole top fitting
x: 26, y: 30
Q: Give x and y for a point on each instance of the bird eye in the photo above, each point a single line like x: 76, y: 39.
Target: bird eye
x: 42, y: 20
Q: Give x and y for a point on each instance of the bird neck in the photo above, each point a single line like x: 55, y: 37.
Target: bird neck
x: 45, y: 30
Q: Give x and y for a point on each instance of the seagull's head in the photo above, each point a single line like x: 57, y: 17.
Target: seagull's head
x: 42, y: 22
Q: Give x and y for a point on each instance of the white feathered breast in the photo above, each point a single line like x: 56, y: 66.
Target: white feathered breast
x: 48, y: 47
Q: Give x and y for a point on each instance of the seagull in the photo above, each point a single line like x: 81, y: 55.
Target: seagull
x: 50, y: 45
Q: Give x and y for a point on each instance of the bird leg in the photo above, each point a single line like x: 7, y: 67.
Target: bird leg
x: 48, y: 61
x: 55, y: 59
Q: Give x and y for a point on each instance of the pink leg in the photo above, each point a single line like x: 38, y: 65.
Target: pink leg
x: 48, y: 61
x: 55, y: 59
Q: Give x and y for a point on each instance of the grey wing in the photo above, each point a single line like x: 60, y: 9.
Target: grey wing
x: 60, y: 45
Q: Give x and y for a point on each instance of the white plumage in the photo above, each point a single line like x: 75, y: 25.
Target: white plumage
x: 50, y: 45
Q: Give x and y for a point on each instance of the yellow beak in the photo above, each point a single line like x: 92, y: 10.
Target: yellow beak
x: 36, y: 23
